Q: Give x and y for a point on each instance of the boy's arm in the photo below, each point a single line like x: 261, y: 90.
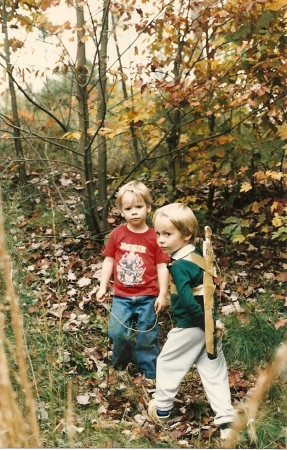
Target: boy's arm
x: 107, y: 271
x: 163, y: 280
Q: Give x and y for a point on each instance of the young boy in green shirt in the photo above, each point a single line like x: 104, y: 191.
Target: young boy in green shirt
x: 176, y: 229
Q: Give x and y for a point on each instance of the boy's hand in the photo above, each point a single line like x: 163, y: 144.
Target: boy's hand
x: 101, y: 294
x: 160, y: 304
x: 219, y: 329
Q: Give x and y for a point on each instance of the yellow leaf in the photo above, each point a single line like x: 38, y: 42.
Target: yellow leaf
x: 84, y: 38
x: 187, y: 199
x: 183, y: 138
x: 67, y: 135
x: 145, y: 116
x: 260, y: 175
x: 72, y: 135
x: 275, y: 5
x: 251, y: 234
x: 239, y: 238
x: 265, y: 229
x: 104, y: 130
x: 273, y: 206
x: 224, y: 139
x: 245, y: 187
x: 277, y: 221
x: 282, y: 131
x: 77, y: 135
x: 276, y: 175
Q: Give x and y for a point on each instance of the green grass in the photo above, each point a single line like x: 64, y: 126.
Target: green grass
x: 251, y: 344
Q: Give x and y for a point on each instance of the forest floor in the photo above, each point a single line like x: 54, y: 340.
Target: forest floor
x: 58, y: 272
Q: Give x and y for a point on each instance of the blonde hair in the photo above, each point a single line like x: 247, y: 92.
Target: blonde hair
x: 139, y: 190
x: 182, y: 217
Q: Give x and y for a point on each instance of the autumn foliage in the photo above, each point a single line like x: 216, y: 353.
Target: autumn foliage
x: 203, y: 102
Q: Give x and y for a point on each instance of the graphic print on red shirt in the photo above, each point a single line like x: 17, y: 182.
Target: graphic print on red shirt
x: 136, y: 256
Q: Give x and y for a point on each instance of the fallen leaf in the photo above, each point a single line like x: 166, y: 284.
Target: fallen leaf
x: 57, y: 310
x: 281, y: 276
x: 74, y: 428
x: 228, y: 309
x: 237, y: 307
x: 138, y: 379
x: 83, y: 399
x: 84, y: 281
x: 139, y: 418
x: 102, y: 410
x: 65, y: 181
x: 245, y: 187
x: 269, y: 275
x: 183, y: 442
x: 233, y: 296
x: 280, y: 323
x: 234, y: 377
x: 71, y: 276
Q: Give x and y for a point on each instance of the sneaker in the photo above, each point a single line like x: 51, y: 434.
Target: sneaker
x: 162, y: 421
x: 225, y: 431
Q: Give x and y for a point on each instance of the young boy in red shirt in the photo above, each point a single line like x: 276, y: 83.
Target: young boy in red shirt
x: 140, y: 274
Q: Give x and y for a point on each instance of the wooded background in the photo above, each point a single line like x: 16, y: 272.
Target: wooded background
x: 200, y: 101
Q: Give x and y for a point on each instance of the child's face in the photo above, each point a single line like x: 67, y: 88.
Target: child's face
x: 134, y: 210
x: 169, y: 238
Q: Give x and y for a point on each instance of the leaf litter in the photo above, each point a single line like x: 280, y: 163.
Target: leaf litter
x: 74, y: 262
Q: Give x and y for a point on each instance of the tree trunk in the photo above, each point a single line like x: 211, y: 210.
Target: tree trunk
x: 211, y: 125
x: 14, y: 107
x: 81, y: 73
x: 172, y: 142
x: 101, y: 114
x: 175, y: 118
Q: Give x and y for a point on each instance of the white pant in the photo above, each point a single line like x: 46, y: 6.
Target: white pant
x: 183, y: 348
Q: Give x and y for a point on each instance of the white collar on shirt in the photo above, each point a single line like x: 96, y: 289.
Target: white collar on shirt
x: 182, y: 252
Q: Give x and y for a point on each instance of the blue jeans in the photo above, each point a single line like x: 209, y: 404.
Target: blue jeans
x: 126, y: 311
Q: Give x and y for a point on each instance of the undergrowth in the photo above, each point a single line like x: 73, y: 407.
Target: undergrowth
x: 251, y: 339
x: 63, y: 362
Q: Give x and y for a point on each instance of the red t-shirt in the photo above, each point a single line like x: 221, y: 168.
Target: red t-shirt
x: 136, y: 256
